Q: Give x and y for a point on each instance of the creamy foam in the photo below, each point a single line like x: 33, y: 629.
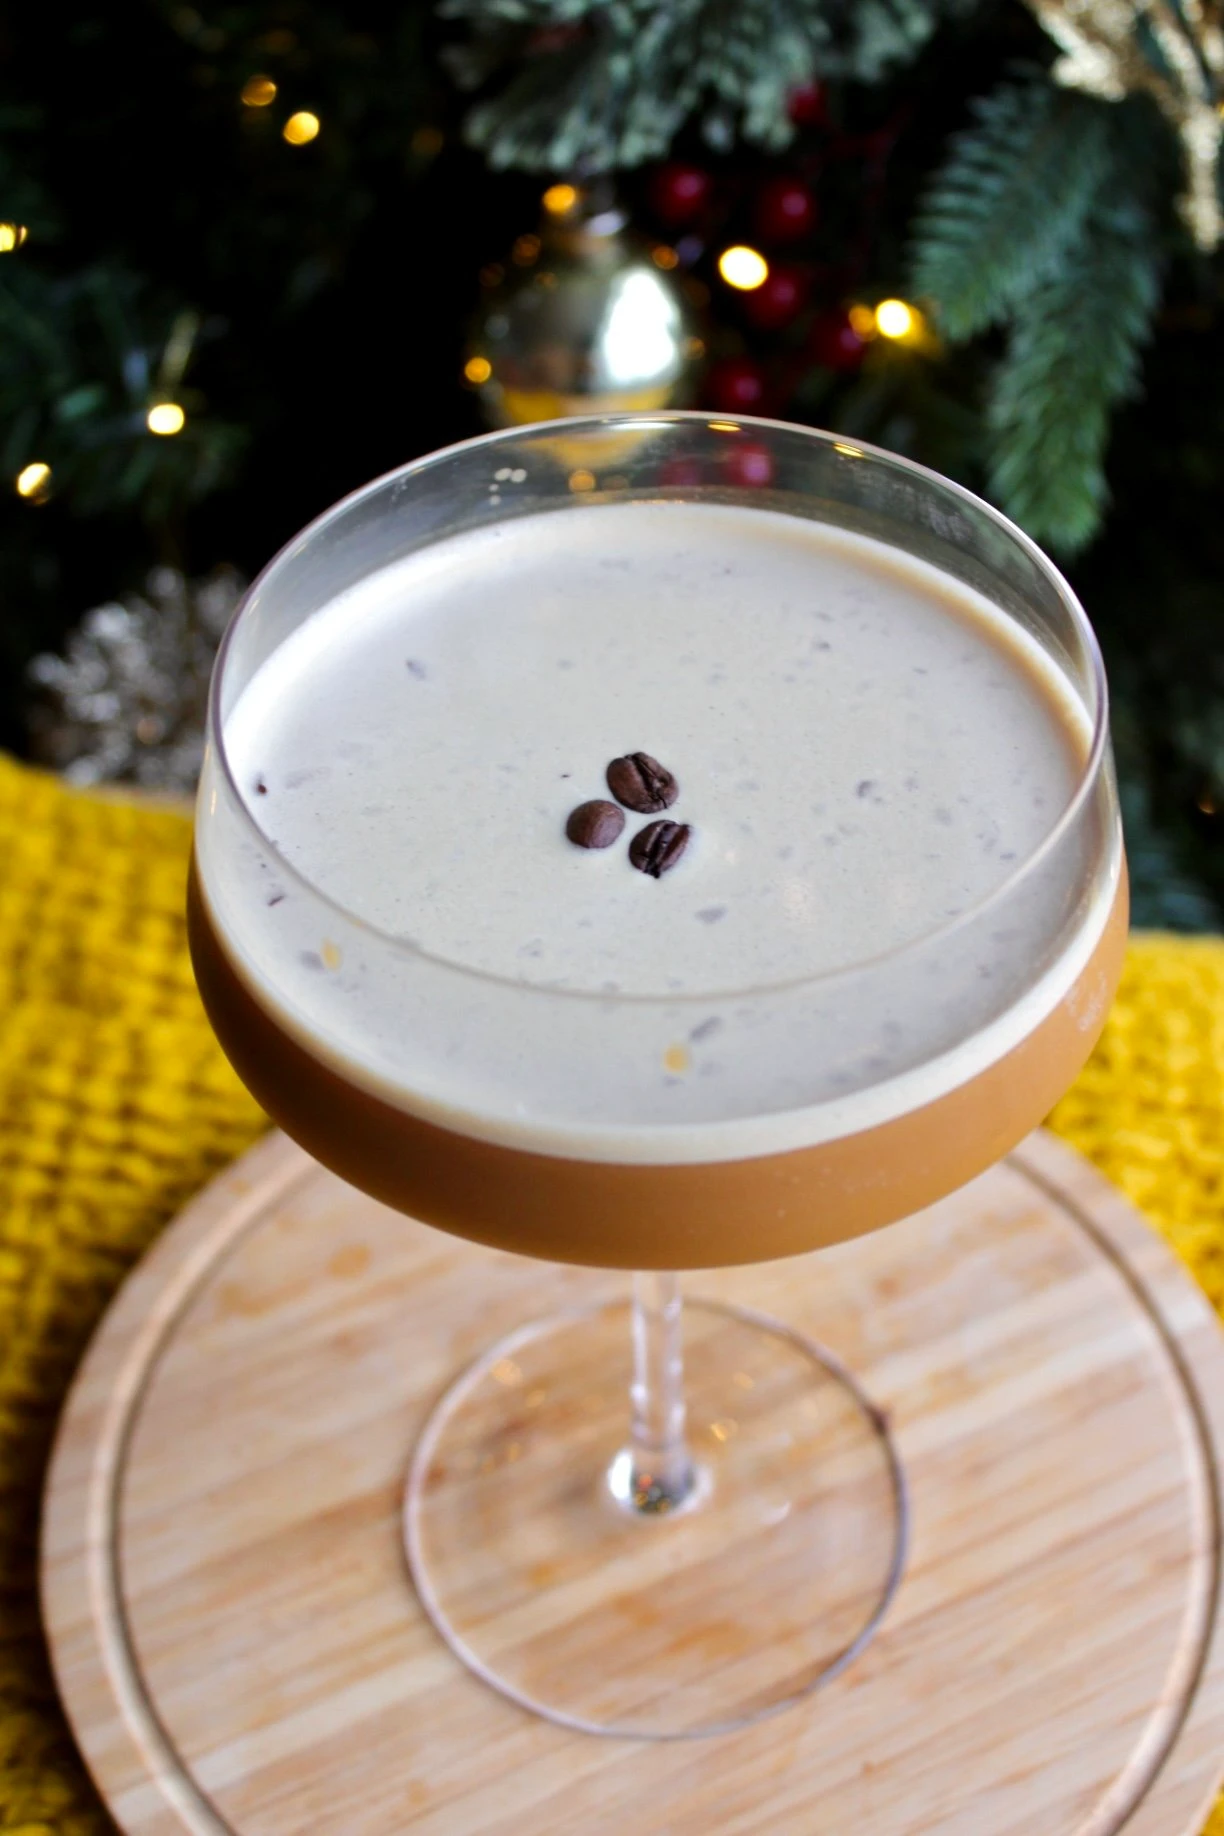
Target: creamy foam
x: 866, y: 751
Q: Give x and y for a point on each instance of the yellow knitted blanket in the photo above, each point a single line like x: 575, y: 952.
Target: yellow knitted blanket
x: 116, y: 1104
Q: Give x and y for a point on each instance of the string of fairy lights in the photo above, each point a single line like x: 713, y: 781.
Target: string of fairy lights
x: 162, y: 418
x: 33, y: 481
x: 299, y: 129
x: 739, y: 266
x: 746, y: 269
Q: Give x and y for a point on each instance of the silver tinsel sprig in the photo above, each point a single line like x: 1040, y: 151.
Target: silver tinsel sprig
x: 126, y: 701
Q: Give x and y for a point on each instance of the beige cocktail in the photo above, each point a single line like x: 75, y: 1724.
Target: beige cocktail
x: 887, y: 947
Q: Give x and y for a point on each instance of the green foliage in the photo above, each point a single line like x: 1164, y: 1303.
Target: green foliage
x: 1009, y: 201
x: 1037, y: 221
x: 869, y: 41
x: 604, y: 84
x: 1072, y: 357
x: 81, y: 361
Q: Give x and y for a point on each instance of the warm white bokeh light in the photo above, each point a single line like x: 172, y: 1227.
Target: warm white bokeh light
x: 560, y: 198
x: 301, y: 128
x: 894, y: 319
x: 258, y: 91
x: 743, y: 268
x: 165, y: 418
x: 33, y: 479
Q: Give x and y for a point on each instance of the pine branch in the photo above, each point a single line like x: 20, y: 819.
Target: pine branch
x: 874, y: 39
x: 81, y: 360
x: 1039, y: 221
x: 630, y: 73
x: 578, y: 109
x: 1072, y: 357
x: 1009, y: 201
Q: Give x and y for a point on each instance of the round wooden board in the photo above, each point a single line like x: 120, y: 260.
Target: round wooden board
x: 240, y: 1650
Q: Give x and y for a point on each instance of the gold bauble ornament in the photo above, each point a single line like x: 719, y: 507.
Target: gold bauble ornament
x: 583, y: 318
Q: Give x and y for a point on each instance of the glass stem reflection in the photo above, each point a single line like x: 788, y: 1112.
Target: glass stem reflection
x: 661, y: 1472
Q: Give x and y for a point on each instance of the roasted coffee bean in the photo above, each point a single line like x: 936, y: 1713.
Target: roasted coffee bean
x: 656, y: 848
x: 594, y: 825
x: 641, y: 783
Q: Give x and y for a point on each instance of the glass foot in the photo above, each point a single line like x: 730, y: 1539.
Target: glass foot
x: 616, y: 1613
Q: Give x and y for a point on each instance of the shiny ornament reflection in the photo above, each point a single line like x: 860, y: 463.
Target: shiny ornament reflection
x: 583, y: 319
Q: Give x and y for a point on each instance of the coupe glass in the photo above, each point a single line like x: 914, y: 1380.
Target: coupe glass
x: 629, y: 1528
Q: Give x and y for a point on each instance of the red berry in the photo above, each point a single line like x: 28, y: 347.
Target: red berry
x: 808, y: 105
x: 680, y: 193
x: 736, y: 386
x: 834, y: 343
x: 785, y: 210
x: 778, y: 299
x: 747, y: 462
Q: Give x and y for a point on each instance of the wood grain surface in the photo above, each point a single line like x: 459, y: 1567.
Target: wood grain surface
x: 240, y: 1650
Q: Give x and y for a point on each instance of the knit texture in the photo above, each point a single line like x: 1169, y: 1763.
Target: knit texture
x: 116, y: 1104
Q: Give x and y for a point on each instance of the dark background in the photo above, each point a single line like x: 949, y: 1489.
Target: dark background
x: 334, y: 281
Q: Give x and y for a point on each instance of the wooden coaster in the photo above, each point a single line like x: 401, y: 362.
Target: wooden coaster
x: 240, y: 1650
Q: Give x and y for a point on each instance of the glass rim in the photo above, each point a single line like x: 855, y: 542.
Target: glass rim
x: 587, y: 425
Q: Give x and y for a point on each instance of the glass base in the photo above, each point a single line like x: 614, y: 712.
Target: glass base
x: 608, y: 1614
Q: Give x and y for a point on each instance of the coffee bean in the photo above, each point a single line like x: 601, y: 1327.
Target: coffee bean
x: 656, y: 848
x: 641, y: 783
x: 594, y: 825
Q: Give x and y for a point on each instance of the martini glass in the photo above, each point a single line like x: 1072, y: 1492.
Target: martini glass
x: 635, y: 1518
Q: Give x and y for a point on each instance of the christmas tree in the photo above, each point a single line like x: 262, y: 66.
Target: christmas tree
x: 241, y: 247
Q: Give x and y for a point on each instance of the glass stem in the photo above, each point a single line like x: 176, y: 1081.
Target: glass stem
x: 662, y: 1474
